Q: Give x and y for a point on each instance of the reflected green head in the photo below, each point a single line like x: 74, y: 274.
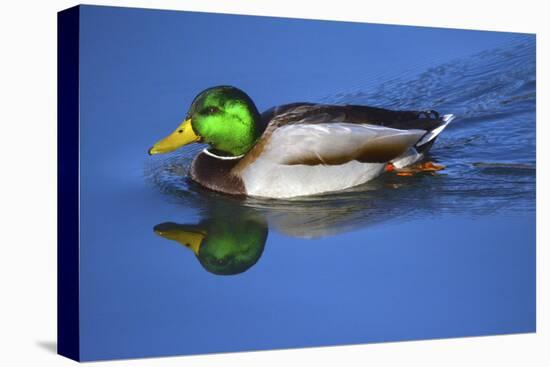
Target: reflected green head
x: 232, y: 247
x: 223, y: 245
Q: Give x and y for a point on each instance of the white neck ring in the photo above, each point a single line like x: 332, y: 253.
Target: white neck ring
x: 207, y: 152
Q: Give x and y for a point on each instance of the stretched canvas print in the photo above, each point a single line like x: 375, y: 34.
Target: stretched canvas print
x: 236, y: 183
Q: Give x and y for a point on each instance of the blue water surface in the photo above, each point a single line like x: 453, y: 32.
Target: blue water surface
x: 430, y: 256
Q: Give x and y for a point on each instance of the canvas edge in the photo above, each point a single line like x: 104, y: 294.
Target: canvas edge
x: 68, y: 326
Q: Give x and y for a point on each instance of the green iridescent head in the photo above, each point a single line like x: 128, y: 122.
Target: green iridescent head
x: 223, y: 247
x: 224, y: 117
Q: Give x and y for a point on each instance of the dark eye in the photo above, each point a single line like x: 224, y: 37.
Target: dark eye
x: 210, y: 110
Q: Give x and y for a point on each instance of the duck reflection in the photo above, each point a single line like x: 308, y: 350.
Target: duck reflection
x: 231, y: 236
x: 223, y: 244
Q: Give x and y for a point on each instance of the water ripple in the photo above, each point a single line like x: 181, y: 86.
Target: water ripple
x: 489, y: 151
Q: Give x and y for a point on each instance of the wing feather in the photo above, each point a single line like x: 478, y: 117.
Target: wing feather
x: 337, y: 143
x: 312, y: 134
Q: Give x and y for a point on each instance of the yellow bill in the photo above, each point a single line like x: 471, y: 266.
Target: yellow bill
x: 183, y: 135
x: 190, y: 238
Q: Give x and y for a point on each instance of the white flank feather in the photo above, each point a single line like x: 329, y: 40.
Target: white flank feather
x: 270, y: 176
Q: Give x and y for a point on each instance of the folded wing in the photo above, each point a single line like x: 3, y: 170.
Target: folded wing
x: 334, y: 143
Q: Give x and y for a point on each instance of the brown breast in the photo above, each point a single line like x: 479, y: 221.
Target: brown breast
x: 216, y: 175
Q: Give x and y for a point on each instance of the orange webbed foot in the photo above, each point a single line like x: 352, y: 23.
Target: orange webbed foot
x: 415, y: 168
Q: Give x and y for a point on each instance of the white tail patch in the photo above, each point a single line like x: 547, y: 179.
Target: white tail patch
x: 435, y: 132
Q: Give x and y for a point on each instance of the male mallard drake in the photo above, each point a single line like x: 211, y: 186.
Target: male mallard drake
x: 297, y: 149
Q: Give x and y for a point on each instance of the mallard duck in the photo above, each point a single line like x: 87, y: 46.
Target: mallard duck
x: 297, y: 149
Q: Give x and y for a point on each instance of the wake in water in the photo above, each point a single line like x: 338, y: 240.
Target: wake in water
x: 489, y: 151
